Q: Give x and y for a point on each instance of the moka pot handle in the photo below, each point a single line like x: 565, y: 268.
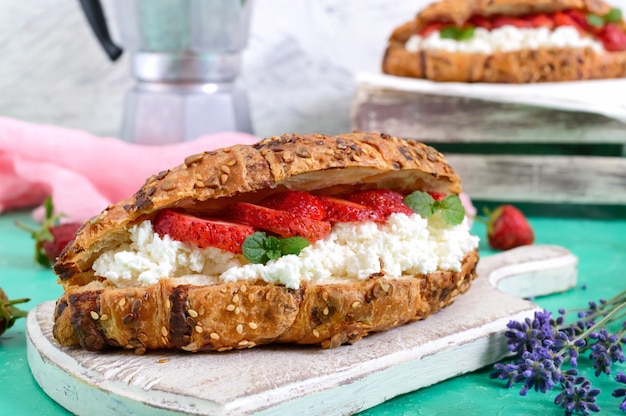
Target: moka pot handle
x: 97, y: 21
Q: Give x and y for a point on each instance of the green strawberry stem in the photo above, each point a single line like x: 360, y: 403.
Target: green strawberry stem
x: 18, y: 313
x: 43, y: 233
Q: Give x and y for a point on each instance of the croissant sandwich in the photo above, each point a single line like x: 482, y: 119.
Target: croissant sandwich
x: 308, y: 239
x: 510, y: 41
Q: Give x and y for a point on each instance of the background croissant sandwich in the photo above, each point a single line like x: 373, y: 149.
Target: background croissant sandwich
x: 510, y: 41
x: 298, y: 239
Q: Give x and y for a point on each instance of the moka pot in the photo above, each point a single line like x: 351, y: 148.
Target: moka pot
x: 186, y: 59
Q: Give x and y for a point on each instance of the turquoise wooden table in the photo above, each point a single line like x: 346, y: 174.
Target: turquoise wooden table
x: 600, y: 245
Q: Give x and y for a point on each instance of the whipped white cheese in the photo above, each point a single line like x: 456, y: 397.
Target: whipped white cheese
x: 402, y: 245
x: 505, y: 39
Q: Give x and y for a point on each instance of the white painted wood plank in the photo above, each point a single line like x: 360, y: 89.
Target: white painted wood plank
x: 550, y: 179
x: 455, y: 119
x: 296, y: 380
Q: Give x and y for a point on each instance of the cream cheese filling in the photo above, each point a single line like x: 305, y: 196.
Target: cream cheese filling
x: 403, y: 245
x: 506, y: 39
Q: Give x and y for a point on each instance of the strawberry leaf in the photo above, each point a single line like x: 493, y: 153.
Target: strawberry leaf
x: 452, y: 210
x: 259, y: 248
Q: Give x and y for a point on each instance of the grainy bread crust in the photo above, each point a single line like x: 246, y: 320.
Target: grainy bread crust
x: 178, y: 315
x: 241, y: 315
x: 516, y: 67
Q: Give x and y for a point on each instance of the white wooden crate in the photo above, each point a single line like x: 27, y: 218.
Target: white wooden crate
x: 546, y: 178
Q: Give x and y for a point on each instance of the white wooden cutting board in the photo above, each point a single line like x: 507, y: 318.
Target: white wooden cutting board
x: 303, y: 380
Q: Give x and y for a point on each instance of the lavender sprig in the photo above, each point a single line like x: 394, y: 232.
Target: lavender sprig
x: 546, y: 351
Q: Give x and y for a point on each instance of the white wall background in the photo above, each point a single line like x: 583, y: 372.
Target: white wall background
x: 299, y: 67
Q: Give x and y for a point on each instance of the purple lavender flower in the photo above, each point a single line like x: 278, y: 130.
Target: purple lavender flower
x: 577, y: 396
x: 606, y: 350
x: 621, y: 392
x: 544, y: 345
x: 525, y: 336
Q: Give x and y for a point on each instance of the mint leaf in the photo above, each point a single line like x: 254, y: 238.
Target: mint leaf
x: 258, y: 248
x: 457, y: 33
x: 293, y: 245
x: 253, y: 248
x: 272, y: 247
x: 595, y: 20
x: 614, y: 16
x: 452, y: 210
x: 421, y: 203
x: 466, y: 34
x: 449, y: 32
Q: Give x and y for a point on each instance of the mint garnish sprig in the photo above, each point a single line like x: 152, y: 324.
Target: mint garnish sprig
x: 457, y: 33
x: 451, y: 208
x: 259, y: 248
x: 613, y: 16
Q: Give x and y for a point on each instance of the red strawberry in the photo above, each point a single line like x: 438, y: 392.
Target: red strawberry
x: 437, y: 196
x: 61, y: 235
x: 51, y: 238
x: 341, y: 210
x: 201, y: 232
x: 283, y: 223
x: 385, y: 201
x: 299, y: 202
x: 613, y: 38
x: 562, y: 19
x: 507, y: 227
x: 500, y: 21
x: 481, y: 21
x: 430, y: 28
x: 540, y: 20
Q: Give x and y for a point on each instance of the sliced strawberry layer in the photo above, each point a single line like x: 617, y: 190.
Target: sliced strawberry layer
x: 609, y: 33
x: 303, y: 203
x: 283, y: 223
x: 385, y: 201
x: 201, y: 232
x: 342, y: 210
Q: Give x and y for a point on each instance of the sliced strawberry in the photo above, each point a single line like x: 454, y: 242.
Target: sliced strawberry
x: 201, y: 232
x: 612, y: 38
x: 500, y: 21
x: 385, y: 201
x: 430, y: 28
x: 283, y: 223
x: 342, y: 210
x: 562, y: 19
x: 437, y: 196
x: 298, y: 202
x: 540, y: 20
x: 580, y: 19
x: 481, y: 21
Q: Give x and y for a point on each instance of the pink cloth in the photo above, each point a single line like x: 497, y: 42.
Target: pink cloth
x: 84, y: 173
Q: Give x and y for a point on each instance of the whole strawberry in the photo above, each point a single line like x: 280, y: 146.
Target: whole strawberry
x: 9, y: 313
x: 52, y: 237
x: 507, y: 228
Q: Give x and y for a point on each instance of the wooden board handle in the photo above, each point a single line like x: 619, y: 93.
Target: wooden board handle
x: 530, y: 271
